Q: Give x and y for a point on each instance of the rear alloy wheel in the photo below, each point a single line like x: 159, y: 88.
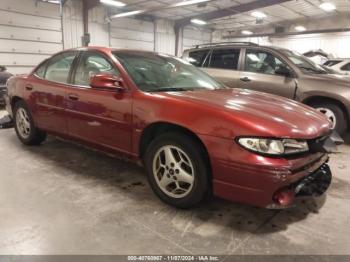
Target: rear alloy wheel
x: 27, y: 133
x: 334, y: 114
x: 177, y: 171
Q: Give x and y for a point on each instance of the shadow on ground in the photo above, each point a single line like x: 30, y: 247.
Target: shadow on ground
x: 129, y: 179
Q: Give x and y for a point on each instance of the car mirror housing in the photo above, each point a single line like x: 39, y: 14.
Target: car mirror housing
x: 107, y: 82
x: 282, y: 70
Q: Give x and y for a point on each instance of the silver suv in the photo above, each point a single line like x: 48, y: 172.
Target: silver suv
x: 278, y: 71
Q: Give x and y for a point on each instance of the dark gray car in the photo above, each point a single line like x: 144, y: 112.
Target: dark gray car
x: 278, y: 71
x: 4, y: 76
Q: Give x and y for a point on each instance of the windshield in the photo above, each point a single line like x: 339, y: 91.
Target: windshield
x: 304, y: 63
x: 157, y: 72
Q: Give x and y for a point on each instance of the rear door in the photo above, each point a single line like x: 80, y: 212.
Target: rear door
x: 101, y: 117
x: 259, y: 73
x: 47, y: 89
x: 223, y: 65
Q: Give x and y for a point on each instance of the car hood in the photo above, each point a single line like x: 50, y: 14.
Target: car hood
x: 257, y: 113
x: 326, y: 79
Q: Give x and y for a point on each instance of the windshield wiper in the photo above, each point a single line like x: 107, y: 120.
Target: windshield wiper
x: 167, y: 89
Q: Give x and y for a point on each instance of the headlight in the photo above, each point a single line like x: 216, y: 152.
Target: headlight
x: 276, y: 147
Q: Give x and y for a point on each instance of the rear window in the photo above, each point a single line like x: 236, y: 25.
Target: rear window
x: 197, y: 58
x: 332, y: 62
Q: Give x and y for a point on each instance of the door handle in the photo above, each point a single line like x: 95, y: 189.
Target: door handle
x: 73, y: 97
x: 245, y: 79
x: 29, y: 87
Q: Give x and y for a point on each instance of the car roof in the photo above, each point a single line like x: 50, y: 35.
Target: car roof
x: 232, y: 45
x: 108, y: 49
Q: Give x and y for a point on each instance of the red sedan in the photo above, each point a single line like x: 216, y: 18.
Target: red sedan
x: 194, y: 136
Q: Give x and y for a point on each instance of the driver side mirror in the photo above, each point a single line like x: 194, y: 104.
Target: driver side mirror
x: 282, y: 70
x: 107, y: 82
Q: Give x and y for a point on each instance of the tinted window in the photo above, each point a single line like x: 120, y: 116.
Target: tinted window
x: 261, y: 62
x: 92, y: 64
x: 58, y: 67
x: 346, y: 67
x: 332, y: 62
x: 197, y: 58
x: 225, y: 58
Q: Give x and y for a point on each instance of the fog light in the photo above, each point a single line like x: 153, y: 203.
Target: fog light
x: 284, y: 197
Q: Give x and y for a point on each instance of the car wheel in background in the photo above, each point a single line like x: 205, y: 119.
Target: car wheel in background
x: 177, y: 171
x: 27, y: 133
x: 334, y: 114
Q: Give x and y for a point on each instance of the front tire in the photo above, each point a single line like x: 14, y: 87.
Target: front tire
x: 177, y: 171
x: 26, y: 131
x: 334, y: 114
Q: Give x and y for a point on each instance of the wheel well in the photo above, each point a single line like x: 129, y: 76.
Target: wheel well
x: 156, y: 129
x: 14, y: 100
x: 320, y: 99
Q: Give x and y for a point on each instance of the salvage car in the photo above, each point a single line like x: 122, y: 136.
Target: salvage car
x: 278, y: 71
x: 341, y: 65
x: 194, y: 136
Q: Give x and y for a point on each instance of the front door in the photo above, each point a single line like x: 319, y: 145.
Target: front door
x: 100, y: 117
x: 259, y: 74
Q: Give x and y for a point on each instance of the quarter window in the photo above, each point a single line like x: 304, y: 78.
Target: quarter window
x: 58, y: 67
x: 225, y: 58
x: 92, y: 64
x: 261, y: 62
x: 40, y: 72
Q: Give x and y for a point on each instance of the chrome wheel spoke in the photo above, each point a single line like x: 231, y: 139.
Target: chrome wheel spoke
x: 169, y: 156
x: 183, y: 176
x: 165, y: 181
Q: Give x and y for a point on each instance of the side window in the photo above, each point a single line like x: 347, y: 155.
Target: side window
x: 197, y: 58
x: 261, y: 62
x: 225, y: 58
x: 58, y: 67
x: 346, y: 67
x: 92, y: 64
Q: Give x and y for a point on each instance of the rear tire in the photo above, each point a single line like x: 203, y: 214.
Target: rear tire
x: 177, y: 170
x: 26, y: 131
x: 334, y: 114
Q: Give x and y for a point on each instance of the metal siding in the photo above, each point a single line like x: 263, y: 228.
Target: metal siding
x: 194, y: 36
x: 29, y: 33
x: 164, y: 36
x: 132, y: 34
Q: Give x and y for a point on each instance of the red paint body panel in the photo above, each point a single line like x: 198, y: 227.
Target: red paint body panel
x: 114, y: 121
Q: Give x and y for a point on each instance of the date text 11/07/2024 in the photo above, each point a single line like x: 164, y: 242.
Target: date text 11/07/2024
x: 173, y: 258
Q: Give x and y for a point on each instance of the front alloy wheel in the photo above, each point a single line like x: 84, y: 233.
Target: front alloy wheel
x: 334, y: 114
x: 173, y: 171
x: 329, y: 114
x: 178, y: 170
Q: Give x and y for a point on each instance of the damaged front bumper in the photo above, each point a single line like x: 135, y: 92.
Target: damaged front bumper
x: 313, y: 185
